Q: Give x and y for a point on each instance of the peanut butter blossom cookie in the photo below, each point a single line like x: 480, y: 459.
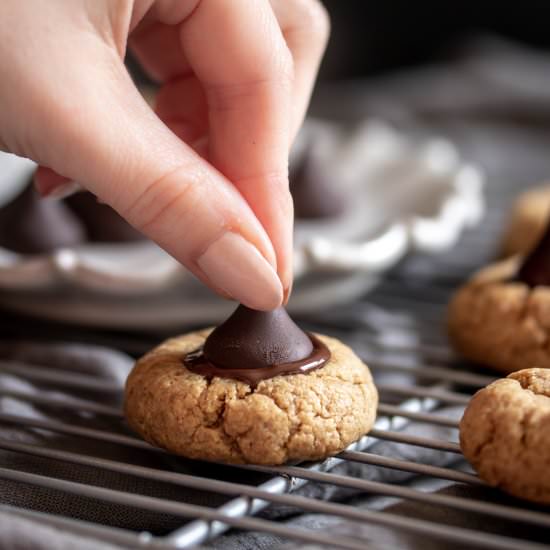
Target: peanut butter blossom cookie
x: 501, y: 317
x: 256, y: 389
x: 528, y: 220
x: 504, y: 434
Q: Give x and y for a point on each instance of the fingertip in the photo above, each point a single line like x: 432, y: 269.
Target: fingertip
x: 234, y: 265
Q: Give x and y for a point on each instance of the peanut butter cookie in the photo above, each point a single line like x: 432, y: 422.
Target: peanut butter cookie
x: 286, y: 418
x: 504, y: 434
x: 529, y: 217
x: 500, y: 322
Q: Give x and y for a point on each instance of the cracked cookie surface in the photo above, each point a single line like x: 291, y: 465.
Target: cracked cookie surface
x: 528, y: 219
x: 504, y: 434
x: 286, y: 418
x: 499, y: 323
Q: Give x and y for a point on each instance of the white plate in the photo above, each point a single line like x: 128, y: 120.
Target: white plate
x: 406, y: 196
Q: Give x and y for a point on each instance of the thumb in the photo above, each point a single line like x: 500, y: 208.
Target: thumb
x: 107, y: 138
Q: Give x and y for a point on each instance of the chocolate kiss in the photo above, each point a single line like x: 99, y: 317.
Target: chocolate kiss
x: 314, y: 194
x: 535, y: 270
x: 32, y: 225
x: 252, y: 339
x: 102, y: 223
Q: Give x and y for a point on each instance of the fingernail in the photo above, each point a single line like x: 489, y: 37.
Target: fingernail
x: 64, y: 190
x: 287, y: 278
x: 237, y: 267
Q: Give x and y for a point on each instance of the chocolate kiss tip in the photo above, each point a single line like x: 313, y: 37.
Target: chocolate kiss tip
x: 535, y: 270
x: 252, y: 339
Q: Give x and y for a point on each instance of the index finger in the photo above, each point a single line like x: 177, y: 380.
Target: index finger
x: 237, y: 51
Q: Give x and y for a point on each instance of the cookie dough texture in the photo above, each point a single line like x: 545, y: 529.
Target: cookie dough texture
x: 286, y: 418
x: 528, y: 219
x: 501, y: 324
x: 504, y: 434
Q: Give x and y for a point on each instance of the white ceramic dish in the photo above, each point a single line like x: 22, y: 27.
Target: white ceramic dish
x: 406, y: 196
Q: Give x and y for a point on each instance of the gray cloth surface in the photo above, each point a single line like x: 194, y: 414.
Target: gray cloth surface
x: 17, y: 533
x: 113, y: 366
x: 386, y: 538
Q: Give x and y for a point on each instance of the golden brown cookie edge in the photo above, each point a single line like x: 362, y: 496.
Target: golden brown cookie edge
x: 503, y: 435
x: 498, y: 323
x: 352, y: 381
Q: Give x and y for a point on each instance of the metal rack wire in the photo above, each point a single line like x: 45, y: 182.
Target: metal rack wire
x: 412, y: 301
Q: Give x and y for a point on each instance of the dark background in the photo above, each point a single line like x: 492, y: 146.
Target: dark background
x: 374, y: 37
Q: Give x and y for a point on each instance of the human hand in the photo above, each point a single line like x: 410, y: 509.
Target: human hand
x: 206, y: 177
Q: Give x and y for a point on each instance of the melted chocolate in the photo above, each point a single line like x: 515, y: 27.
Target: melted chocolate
x: 254, y: 339
x: 535, y: 270
x: 254, y: 345
x: 320, y: 354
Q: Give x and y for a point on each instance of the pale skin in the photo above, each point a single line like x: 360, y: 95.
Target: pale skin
x: 206, y: 174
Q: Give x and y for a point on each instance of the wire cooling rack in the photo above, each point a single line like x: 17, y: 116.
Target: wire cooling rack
x: 399, y: 332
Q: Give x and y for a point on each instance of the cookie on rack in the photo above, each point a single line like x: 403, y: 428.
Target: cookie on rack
x: 504, y: 434
x: 257, y: 389
x: 529, y: 216
x: 501, y: 317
